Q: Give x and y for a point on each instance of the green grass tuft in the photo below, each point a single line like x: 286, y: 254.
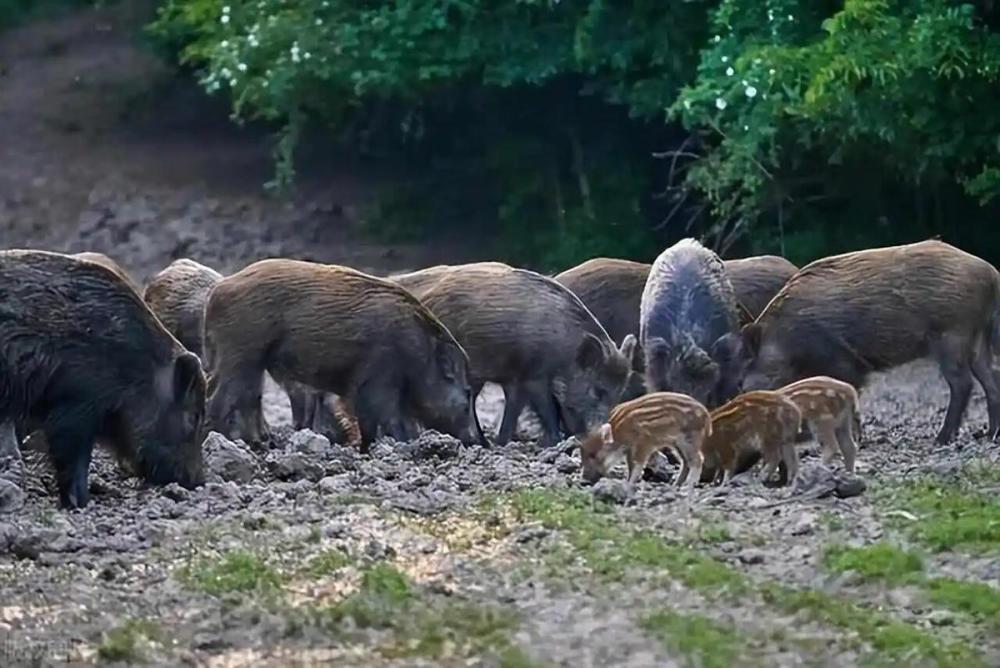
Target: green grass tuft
x: 326, y: 563
x: 880, y: 561
x: 980, y: 601
x: 235, y: 571
x: 706, y: 643
x: 891, y: 639
x: 128, y: 642
x: 611, y: 550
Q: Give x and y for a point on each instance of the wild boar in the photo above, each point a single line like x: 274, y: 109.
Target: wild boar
x: 640, y: 428
x: 336, y: 330
x: 531, y: 336
x: 757, y: 279
x: 849, y: 315
x: 611, y: 289
x: 762, y: 422
x: 83, y: 360
x: 177, y: 295
x: 831, y: 409
x: 108, y: 263
x: 688, y: 326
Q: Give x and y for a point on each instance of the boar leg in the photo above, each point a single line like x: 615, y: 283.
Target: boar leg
x: 790, y: 456
x: 512, y: 406
x: 958, y: 374
x: 636, y: 465
x: 70, y: 448
x: 982, y: 369
x: 543, y: 402
x: 827, y: 437
x: 848, y: 448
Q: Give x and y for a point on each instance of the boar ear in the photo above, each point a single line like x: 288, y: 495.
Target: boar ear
x: 591, y: 353
x: 751, y: 338
x: 743, y: 314
x: 632, y: 351
x: 727, y: 348
x: 188, y: 376
x: 606, y: 434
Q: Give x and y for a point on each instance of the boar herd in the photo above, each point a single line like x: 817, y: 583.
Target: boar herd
x: 720, y: 363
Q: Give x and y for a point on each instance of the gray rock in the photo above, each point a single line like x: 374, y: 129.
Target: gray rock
x: 850, y: 487
x: 11, y: 496
x: 611, y: 491
x: 175, y: 492
x: 431, y: 444
x: 940, y: 618
x: 805, y: 525
x: 309, y: 442
x: 566, y: 464
x: 231, y: 461
x: 294, y: 466
x: 336, y: 484
x: 751, y: 556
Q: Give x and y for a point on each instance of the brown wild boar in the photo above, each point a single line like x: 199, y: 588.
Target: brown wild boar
x: 830, y: 408
x: 640, y: 428
x: 336, y: 330
x: 757, y: 279
x: 849, y: 315
x: 177, y: 295
x: 531, y: 336
x: 689, y: 326
x: 108, y: 263
x: 83, y: 360
x: 760, y: 420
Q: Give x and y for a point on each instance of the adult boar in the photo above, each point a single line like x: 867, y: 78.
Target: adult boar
x: 531, y: 336
x: 108, y: 263
x: 689, y: 327
x: 336, y: 330
x: 756, y: 280
x: 849, y: 315
x: 177, y: 295
x: 83, y: 360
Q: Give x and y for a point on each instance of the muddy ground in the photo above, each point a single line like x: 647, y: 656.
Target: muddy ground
x: 431, y: 553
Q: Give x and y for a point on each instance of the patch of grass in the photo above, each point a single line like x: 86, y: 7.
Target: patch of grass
x: 473, y: 629
x: 714, y: 533
x: 880, y: 561
x: 235, y: 571
x: 980, y: 601
x: 611, y: 550
x: 892, y: 640
x: 384, y: 595
x: 954, y: 514
x: 831, y: 521
x: 325, y: 563
x: 129, y: 641
x: 706, y: 643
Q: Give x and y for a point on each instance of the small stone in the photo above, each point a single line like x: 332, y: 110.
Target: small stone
x: 566, y: 464
x: 230, y: 460
x: 531, y: 533
x: 295, y: 466
x: 549, y: 455
x: 378, y: 551
x: 805, y: 525
x: 335, y: 484
x: 751, y: 556
x: 851, y: 487
x: 11, y: 496
x: 309, y: 442
x: 611, y: 491
x: 175, y: 492
x: 334, y: 530
x: 940, y: 618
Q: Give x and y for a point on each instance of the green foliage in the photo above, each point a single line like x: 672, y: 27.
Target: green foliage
x: 705, y: 642
x: 235, y: 571
x: 129, y: 641
x: 980, y: 601
x: 814, y: 126
x: 881, y: 561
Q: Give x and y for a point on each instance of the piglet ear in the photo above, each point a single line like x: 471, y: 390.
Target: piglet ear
x: 606, y: 434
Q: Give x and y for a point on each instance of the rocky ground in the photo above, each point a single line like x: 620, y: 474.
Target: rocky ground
x: 432, y: 553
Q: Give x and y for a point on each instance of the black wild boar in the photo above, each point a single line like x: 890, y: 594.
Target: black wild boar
x: 688, y: 326
x: 757, y: 279
x: 611, y: 289
x: 177, y: 295
x: 531, y: 336
x: 83, y: 360
x: 108, y: 263
x: 336, y: 330
x: 849, y: 315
